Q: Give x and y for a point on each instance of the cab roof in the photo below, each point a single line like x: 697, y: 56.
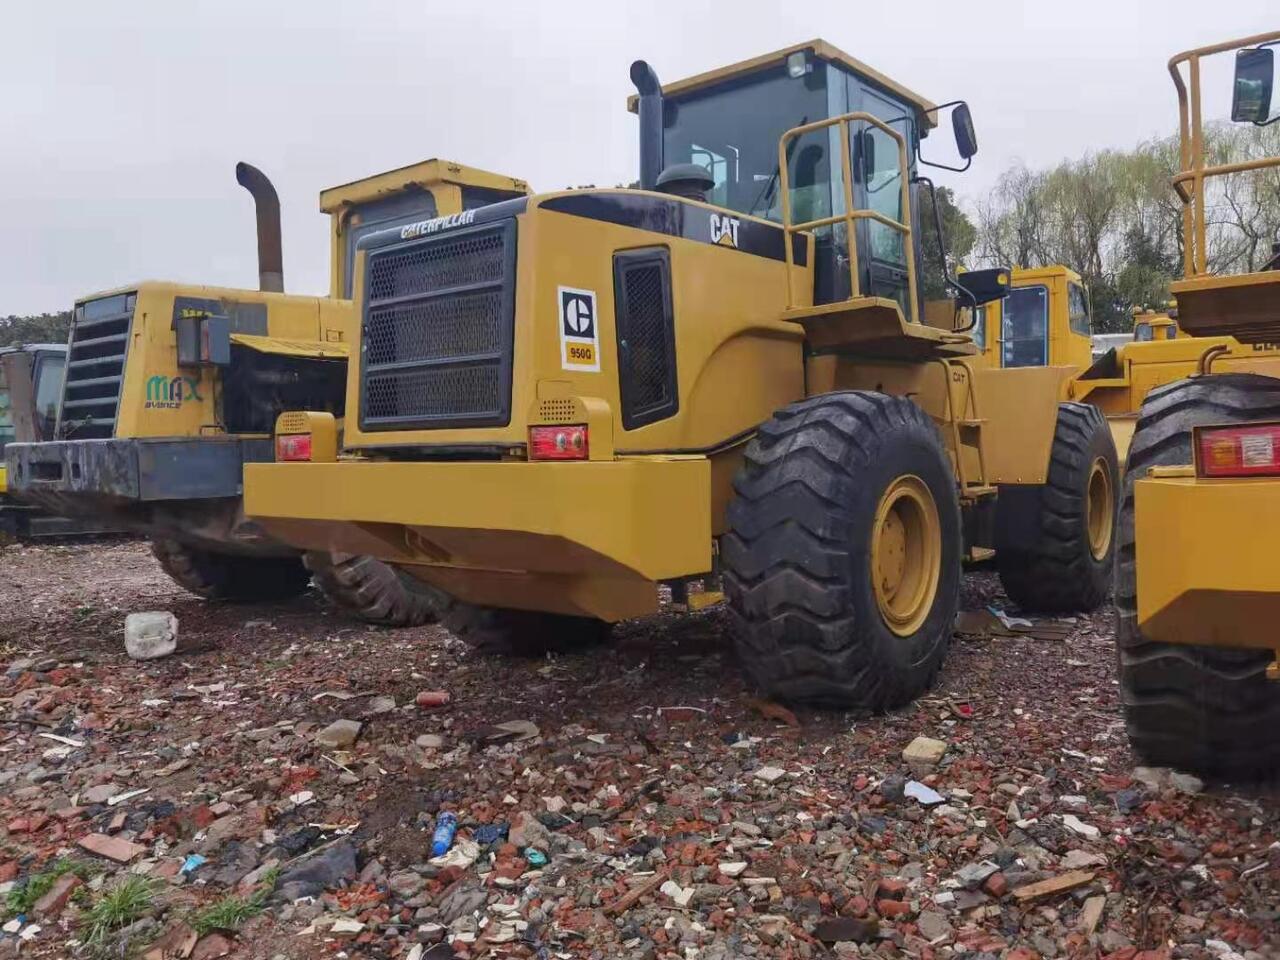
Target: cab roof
x: 820, y: 49
x: 422, y: 175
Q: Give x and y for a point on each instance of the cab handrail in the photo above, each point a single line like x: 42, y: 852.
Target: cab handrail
x: 851, y: 213
x: 1191, y: 151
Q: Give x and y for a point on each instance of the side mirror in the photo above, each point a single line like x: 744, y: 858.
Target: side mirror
x: 984, y: 286
x: 864, y: 156
x: 966, y: 136
x: 1251, y: 93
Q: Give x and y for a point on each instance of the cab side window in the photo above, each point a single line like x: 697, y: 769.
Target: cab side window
x: 1078, y: 309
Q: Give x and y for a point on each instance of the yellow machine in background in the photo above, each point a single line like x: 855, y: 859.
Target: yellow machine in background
x: 172, y: 388
x: 1043, y: 321
x: 1152, y: 326
x: 1198, y: 586
x: 1119, y: 381
x: 577, y: 397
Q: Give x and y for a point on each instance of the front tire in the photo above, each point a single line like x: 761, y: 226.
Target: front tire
x: 374, y: 591
x: 842, y: 555
x: 1207, y: 709
x: 1055, y: 542
x: 224, y: 576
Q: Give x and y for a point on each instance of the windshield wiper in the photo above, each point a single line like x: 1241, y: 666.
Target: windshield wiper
x: 766, y: 193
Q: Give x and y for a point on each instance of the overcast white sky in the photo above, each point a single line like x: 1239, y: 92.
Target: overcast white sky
x: 121, y: 122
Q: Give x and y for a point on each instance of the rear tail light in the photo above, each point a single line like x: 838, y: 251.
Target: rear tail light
x: 558, y: 443
x: 292, y: 447
x: 1252, y: 451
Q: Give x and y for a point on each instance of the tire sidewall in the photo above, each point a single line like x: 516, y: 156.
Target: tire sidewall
x: 910, y: 449
x: 1101, y: 446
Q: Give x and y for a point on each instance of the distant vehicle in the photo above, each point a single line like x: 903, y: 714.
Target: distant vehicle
x: 30, y: 386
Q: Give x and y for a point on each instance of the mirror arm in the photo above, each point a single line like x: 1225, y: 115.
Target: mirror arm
x: 952, y: 283
x: 929, y: 163
x: 943, y: 166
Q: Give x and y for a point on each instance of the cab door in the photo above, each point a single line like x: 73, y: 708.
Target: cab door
x: 878, y: 187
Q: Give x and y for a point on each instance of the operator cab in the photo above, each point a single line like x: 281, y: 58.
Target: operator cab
x: 730, y: 121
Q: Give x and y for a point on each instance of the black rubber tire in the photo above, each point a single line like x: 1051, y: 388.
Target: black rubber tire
x: 221, y: 576
x: 374, y: 591
x: 1043, y: 552
x: 796, y: 554
x: 522, y: 633
x: 1206, y: 709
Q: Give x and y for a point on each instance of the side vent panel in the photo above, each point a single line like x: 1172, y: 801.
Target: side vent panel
x: 645, y: 323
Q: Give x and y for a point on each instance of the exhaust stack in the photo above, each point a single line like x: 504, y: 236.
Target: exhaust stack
x: 650, y: 110
x: 267, y: 210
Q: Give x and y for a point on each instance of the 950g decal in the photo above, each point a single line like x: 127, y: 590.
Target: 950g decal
x: 579, y: 331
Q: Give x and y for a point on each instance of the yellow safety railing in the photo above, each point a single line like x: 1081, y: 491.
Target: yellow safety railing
x: 1191, y: 151
x: 851, y: 213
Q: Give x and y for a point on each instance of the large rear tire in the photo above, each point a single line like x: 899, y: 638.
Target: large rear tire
x: 1055, y: 543
x: 522, y: 633
x: 222, y: 576
x: 374, y: 591
x: 842, y: 555
x: 1207, y: 709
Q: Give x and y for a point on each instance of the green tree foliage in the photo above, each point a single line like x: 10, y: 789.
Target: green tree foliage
x: 40, y: 328
x: 959, y: 235
x: 1113, y: 217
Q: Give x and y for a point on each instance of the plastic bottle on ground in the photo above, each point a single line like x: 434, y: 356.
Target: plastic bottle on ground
x: 442, y: 839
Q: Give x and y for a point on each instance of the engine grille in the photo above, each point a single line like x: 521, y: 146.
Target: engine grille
x: 436, y: 337
x: 646, y: 336
x: 95, y: 367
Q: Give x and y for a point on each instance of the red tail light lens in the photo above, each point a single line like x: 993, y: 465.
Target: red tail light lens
x: 558, y: 443
x: 1252, y: 451
x: 293, y: 446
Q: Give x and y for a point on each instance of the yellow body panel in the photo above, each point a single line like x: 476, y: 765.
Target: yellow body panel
x: 1004, y: 418
x: 284, y: 347
x: 738, y: 338
x: 152, y: 355
x: 4, y: 479
x: 1147, y: 365
x: 588, y: 538
x: 1195, y: 584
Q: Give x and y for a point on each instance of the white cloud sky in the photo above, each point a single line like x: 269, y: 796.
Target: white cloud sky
x: 121, y: 122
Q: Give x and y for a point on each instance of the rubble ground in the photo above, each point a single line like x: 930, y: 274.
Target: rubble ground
x: 270, y: 790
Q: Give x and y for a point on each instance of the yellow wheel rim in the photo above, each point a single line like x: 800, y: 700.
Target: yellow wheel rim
x: 1101, y: 507
x: 906, y: 554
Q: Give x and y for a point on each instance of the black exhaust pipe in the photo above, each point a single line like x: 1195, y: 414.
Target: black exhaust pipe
x: 267, y: 210
x: 650, y: 91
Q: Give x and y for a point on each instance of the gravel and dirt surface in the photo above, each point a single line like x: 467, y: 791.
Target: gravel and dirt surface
x: 632, y: 801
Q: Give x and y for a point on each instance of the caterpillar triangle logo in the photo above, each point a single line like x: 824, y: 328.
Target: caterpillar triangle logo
x: 579, y: 332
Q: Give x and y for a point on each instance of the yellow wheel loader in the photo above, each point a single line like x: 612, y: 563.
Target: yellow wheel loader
x: 1045, y: 319
x: 1197, y: 586
x: 170, y: 389
x: 576, y: 398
